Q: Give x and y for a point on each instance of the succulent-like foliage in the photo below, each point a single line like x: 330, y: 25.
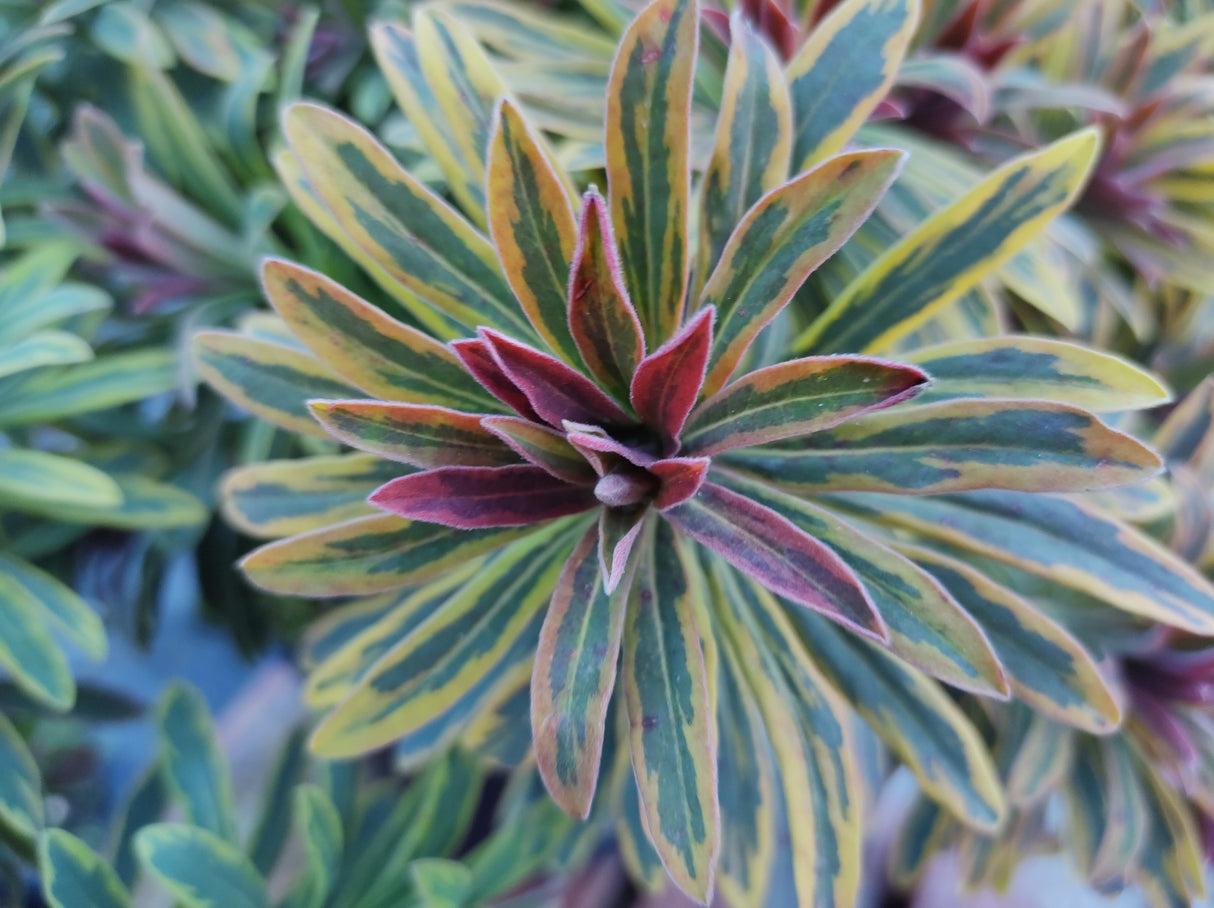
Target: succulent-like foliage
x: 619, y: 474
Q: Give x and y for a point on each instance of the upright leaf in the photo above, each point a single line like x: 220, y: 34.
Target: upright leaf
x: 667, y: 382
x: 843, y: 71
x: 670, y: 719
x: 193, y: 763
x: 75, y: 876
x: 21, y: 811
x: 648, y: 170
x: 533, y: 227
x: 200, y: 869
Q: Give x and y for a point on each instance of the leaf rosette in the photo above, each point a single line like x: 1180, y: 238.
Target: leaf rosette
x: 617, y: 479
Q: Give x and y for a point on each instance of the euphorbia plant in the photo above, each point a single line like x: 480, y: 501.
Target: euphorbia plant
x: 598, y: 482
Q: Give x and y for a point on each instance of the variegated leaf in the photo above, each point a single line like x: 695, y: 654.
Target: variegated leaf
x: 367, y: 555
x: 193, y: 763
x: 75, y: 876
x: 786, y: 235
x: 270, y: 380
x: 959, y: 445
x: 949, y: 253
x: 573, y: 677
x: 648, y: 169
x: 843, y: 71
x: 200, y: 869
x: 67, y: 612
x: 28, y: 653
x: 21, y: 810
x: 669, y: 717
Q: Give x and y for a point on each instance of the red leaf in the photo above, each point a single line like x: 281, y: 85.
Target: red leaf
x: 543, y: 446
x: 668, y: 381
x: 556, y: 391
x: 681, y: 477
x: 593, y: 439
x: 474, y: 497
x: 602, y: 321
x: 479, y: 361
x: 762, y: 544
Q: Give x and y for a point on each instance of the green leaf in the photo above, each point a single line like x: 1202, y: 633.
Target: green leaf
x: 52, y: 485
x: 27, y: 309
x: 1065, y: 542
x: 648, y: 170
x: 193, y: 764
x: 367, y: 347
x: 924, y: 833
x: 144, y: 803
x: 75, y: 876
x: 70, y: 615
x: 959, y: 445
x: 423, y: 690
x: 781, y: 240
x: 47, y: 348
x: 949, y: 253
x: 1040, y: 761
x: 270, y: 380
x: 1048, y: 668
x: 843, y: 71
x: 27, y: 652
x: 796, y: 398
x: 25, y: 285
x: 284, y: 497
x: 440, y: 883
x: 273, y: 824
x: 198, y: 868
x: 55, y: 392
x: 928, y: 628
x: 669, y: 716
x: 752, y: 144
x: 574, y: 675
x: 367, y: 555
x: 408, y: 230
x: 320, y: 828
x: 147, y: 504
x: 1039, y: 368
x: 533, y: 227
x: 20, y: 785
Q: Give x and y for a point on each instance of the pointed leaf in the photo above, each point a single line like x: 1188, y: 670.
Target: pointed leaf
x: 960, y: 445
x: 949, y: 253
x: 619, y: 530
x: 601, y: 318
x: 542, y: 446
x: 573, y: 677
x: 28, y: 653
x: 477, y: 497
x: 200, y: 869
x: 1186, y: 434
x: 320, y: 828
x: 284, y: 497
x: 783, y: 238
x: 753, y: 139
x: 38, y: 482
x: 193, y: 763
x: 1048, y: 668
x: 426, y: 688
x: 1041, y: 368
x: 478, y: 359
x: 70, y: 615
x: 916, y: 719
x: 555, y: 390
x: 366, y: 346
x: 927, y: 626
x: 797, y: 398
x: 422, y: 436
x: 1043, y: 757
x: 21, y: 810
x: 47, y: 348
x: 843, y: 71
x: 648, y: 171
x: 533, y: 228
x: 409, y: 231
x: 366, y: 555
x: 670, y: 722
x: 769, y: 548
x: 269, y: 380
x: 667, y: 382
x: 75, y: 876
x: 680, y: 478
x: 1065, y: 542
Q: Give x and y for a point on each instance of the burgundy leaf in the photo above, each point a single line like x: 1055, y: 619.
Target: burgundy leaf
x: 543, y: 446
x: 668, y: 381
x: 680, y: 477
x: 762, y: 544
x: 479, y: 361
x: 592, y: 438
x: 618, y: 531
x: 556, y: 391
x: 474, y: 497
x: 602, y: 321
